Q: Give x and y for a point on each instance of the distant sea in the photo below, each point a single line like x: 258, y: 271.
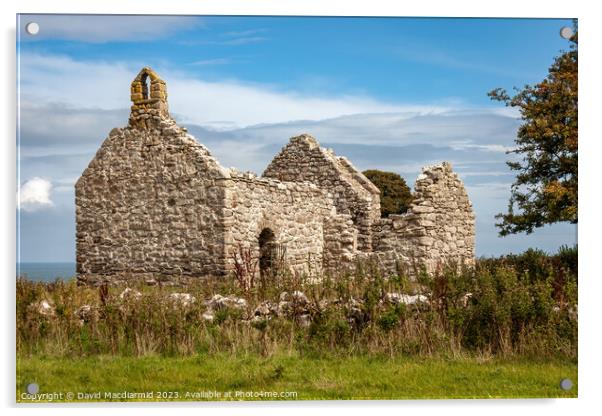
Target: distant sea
x: 46, y: 271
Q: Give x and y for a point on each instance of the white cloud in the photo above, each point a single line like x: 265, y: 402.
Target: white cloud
x: 485, y: 173
x: 34, y: 194
x: 485, y: 147
x: 243, y: 40
x: 105, y: 85
x: 58, y: 79
x: 216, y: 61
x: 470, y: 131
x: 60, y: 141
x: 414, y: 49
x: 106, y: 28
x: 209, y: 103
x: 244, y: 33
x: 224, y: 42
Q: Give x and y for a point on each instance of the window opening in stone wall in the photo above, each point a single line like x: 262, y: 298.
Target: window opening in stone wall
x: 146, y: 86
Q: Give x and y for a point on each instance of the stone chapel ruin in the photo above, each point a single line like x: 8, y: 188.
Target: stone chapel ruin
x: 153, y: 202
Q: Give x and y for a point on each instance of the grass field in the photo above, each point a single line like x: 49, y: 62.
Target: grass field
x: 308, y: 378
x: 506, y: 328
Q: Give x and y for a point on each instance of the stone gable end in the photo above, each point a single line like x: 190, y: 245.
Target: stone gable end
x: 302, y: 159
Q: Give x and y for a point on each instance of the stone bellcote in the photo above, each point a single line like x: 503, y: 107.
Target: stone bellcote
x: 148, y: 93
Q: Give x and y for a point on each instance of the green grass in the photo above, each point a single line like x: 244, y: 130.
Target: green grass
x: 312, y: 378
x: 514, y: 337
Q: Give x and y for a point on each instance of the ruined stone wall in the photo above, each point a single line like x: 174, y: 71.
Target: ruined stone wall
x: 304, y: 160
x: 294, y: 212
x: 340, y: 242
x: 439, y: 226
x: 154, y: 203
x: 150, y: 204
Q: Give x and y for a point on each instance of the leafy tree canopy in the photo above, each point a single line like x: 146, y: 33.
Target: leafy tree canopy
x: 395, y: 195
x: 545, y: 190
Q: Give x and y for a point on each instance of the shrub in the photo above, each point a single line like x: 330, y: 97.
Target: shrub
x: 395, y: 195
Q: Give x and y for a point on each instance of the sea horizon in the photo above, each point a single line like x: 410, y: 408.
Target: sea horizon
x: 45, y: 271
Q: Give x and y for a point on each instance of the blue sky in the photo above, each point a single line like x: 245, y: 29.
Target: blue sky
x: 389, y: 93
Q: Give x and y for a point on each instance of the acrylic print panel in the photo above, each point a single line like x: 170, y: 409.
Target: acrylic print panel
x: 371, y: 240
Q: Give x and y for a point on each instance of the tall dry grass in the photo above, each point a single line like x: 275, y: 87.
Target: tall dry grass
x: 523, y: 305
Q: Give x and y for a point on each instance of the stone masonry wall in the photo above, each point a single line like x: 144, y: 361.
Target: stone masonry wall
x: 340, y: 242
x: 302, y: 159
x: 150, y: 203
x: 294, y: 212
x: 439, y: 227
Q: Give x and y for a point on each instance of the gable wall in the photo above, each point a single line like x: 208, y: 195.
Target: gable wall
x: 150, y: 204
x: 304, y: 160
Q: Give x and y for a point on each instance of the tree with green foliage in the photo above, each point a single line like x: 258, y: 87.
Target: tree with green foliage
x: 395, y: 195
x: 545, y: 190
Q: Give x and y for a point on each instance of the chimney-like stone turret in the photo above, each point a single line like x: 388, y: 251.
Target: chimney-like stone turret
x: 149, y: 100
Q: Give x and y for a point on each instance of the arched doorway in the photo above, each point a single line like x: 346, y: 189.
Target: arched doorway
x: 266, y: 251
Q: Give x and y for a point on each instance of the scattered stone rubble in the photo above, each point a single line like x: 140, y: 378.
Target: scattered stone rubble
x: 129, y: 294
x: 401, y: 298
x: 220, y: 303
x: 86, y: 313
x: 43, y: 308
x: 183, y: 300
x: 295, y: 306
